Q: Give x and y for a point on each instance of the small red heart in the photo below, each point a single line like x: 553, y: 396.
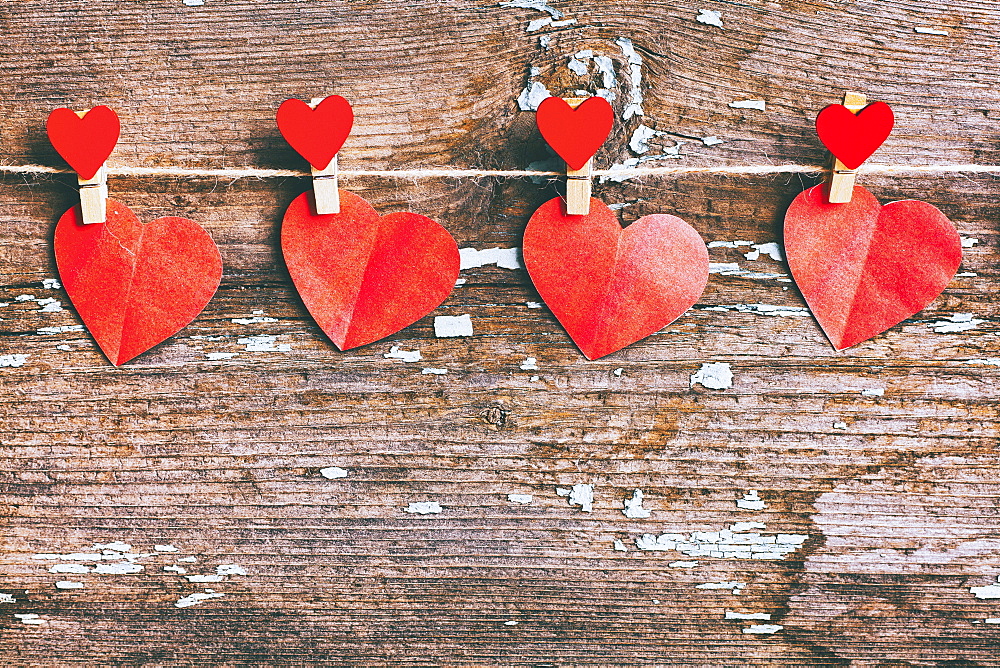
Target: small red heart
x: 863, y: 267
x: 362, y: 276
x: 85, y: 143
x: 316, y: 134
x: 852, y: 138
x: 607, y: 286
x: 135, y: 284
x: 575, y: 134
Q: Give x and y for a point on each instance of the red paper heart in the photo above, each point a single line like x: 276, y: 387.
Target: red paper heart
x: 135, y: 284
x: 362, y: 276
x: 85, y: 143
x: 316, y: 134
x: 607, y: 286
x: 863, y: 267
x: 852, y: 138
x: 575, y: 134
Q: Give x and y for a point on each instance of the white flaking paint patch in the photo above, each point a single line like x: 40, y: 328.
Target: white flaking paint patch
x: 771, y: 249
x: 333, y: 472
x: 538, y: 5
x: 68, y: 584
x: 618, y: 372
x: 69, y: 568
x: 195, y: 599
x: 194, y: 3
x: 751, y: 501
x: 505, y: 258
x: 633, y: 507
x: 966, y: 274
x: 923, y: 30
x: 230, y: 569
x: 580, y: 495
x: 992, y: 620
x: 60, y: 330
x: 620, y: 546
x: 729, y: 244
x: 215, y: 357
x: 51, y: 284
x: 734, y: 585
x: 708, y: 17
x: 544, y: 41
x: 639, y: 143
x: 533, y: 304
x: 989, y: 591
x: 873, y: 392
x: 31, y: 619
x: 63, y: 347
x: 532, y: 96
x: 714, y: 376
x: 187, y: 560
x: 634, y: 106
x: 396, y: 353
x: 529, y: 364
x: 7, y: 598
x: 13, y: 360
x: 759, y: 105
x: 459, y: 282
x: 424, y: 508
x: 165, y: 548
x: 733, y: 269
x: 175, y: 569
x: 254, y: 320
x: 763, y: 629
x: 520, y: 498
x: 204, y: 578
x: 577, y: 66
x: 117, y: 546
x: 263, y: 344
x: 989, y: 361
x: 682, y: 564
x: 723, y: 544
x: 763, y: 309
x: 840, y: 425
x: 763, y: 616
x: 969, y: 242
x: 450, y: 326
x: 739, y: 527
x: 535, y: 378
x: 960, y: 322
x: 123, y: 568
x: 433, y: 371
x: 712, y: 140
x: 48, y: 304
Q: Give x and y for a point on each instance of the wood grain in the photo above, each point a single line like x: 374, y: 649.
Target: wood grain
x: 221, y: 458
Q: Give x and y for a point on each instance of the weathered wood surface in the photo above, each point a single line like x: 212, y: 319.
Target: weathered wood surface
x: 897, y: 494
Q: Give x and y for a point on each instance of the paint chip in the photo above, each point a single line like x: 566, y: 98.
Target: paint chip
x: 989, y: 361
x: 121, y: 568
x: 751, y: 501
x: 215, y: 357
x: 432, y: 371
x: 68, y: 584
x: 505, y: 258
x: 165, y: 548
x: 533, y: 304
x: 734, y: 585
x: 254, y: 320
x: 771, y: 249
x: 969, y: 242
x: 532, y: 96
x: 682, y: 564
x: 7, y: 598
x: 759, y: 105
x: 69, y: 568
x: 840, y: 425
x: 450, y: 326
x: 708, y: 17
x: 31, y: 619
x: 989, y: 591
x: 618, y: 372
x: 51, y: 284
x: 634, y: 106
x: 263, y: 344
x: 175, y: 569
x: 195, y: 599
x: 395, y: 353
x: 529, y: 364
x: 764, y: 616
x: 620, y: 546
x: 714, y: 376
x: 763, y: 629
x: 959, y: 322
x: 424, y: 508
x: 873, y: 392
x: 230, y: 569
x: 580, y: 495
x: 194, y: 3
x: 923, y: 30
x: 60, y: 330
x: 13, y: 360
x: 712, y: 141
x: 633, y: 507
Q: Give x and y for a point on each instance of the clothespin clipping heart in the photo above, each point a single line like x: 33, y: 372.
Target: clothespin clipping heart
x: 850, y: 137
x: 575, y: 134
x: 317, y: 134
x: 84, y: 142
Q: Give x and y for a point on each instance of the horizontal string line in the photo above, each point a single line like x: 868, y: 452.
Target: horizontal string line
x: 513, y: 173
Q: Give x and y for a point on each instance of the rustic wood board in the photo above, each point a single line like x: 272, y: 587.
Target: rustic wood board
x: 895, y: 495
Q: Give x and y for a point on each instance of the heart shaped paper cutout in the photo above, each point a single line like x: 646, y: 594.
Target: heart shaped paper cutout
x: 611, y: 287
x: 133, y: 284
x: 316, y: 134
x: 852, y: 138
x: 363, y: 276
x: 575, y: 134
x: 863, y: 267
x: 85, y: 143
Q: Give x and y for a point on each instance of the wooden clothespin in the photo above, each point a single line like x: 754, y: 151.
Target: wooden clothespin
x: 326, y: 191
x: 578, y: 181
x: 93, y: 193
x: 841, y: 177
x: 85, y: 140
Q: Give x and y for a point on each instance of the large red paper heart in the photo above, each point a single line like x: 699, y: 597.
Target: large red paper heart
x: 607, y: 286
x: 316, y: 134
x: 863, y: 267
x: 85, y: 143
x: 851, y: 137
x: 135, y: 284
x: 362, y: 276
x: 575, y: 134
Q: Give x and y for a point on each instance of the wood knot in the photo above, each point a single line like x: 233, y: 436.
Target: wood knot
x: 495, y: 416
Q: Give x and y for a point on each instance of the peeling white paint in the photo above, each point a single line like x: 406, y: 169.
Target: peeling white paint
x: 714, y: 376
x: 7, y: 598
x: 396, y: 353
x: 263, y: 344
x: 580, y: 495
x: 424, y: 508
x: 68, y: 584
x: 544, y: 41
x: 505, y: 258
x: 60, y: 330
x: 620, y: 546
x: 31, y: 619
x: 433, y: 371
x: 450, y: 326
x: 639, y: 143
x: 577, y: 66
x: 510, y: 623
x: 116, y: 546
x: 196, y: 598
x: 733, y: 269
x: 69, y: 568
x: 533, y: 304
x: 188, y: 560
x: 165, y: 548
x: 734, y: 585
x: 634, y: 106
x: 520, y: 498
x: 532, y: 96
x: 764, y: 616
x: 633, y: 507
x: 682, y: 564
x: 204, y: 578
x: 230, y: 569
x: 966, y: 274
x: 194, y: 3
x: 175, y: 569
x: 712, y: 140
x: 959, y: 322
x: 992, y: 620
x: 969, y: 242
x: 751, y: 501
x: 529, y: 364
x: 771, y: 249
x: 708, y: 17
x: 63, y: 347
x: 122, y: 568
x: 840, y: 425
x: 729, y: 244
x: 763, y: 629
x: 333, y: 472
x: 254, y: 320
x: 989, y: 591
x: 740, y: 527
x: 51, y: 284
x: 989, y: 361
x: 763, y: 309
x: 923, y: 30
x: 13, y: 360
x: 724, y: 544
x: 215, y: 357
x: 873, y: 392
x: 759, y: 105
x: 538, y: 5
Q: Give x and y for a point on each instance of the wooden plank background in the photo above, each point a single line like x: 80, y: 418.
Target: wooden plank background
x: 895, y: 494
